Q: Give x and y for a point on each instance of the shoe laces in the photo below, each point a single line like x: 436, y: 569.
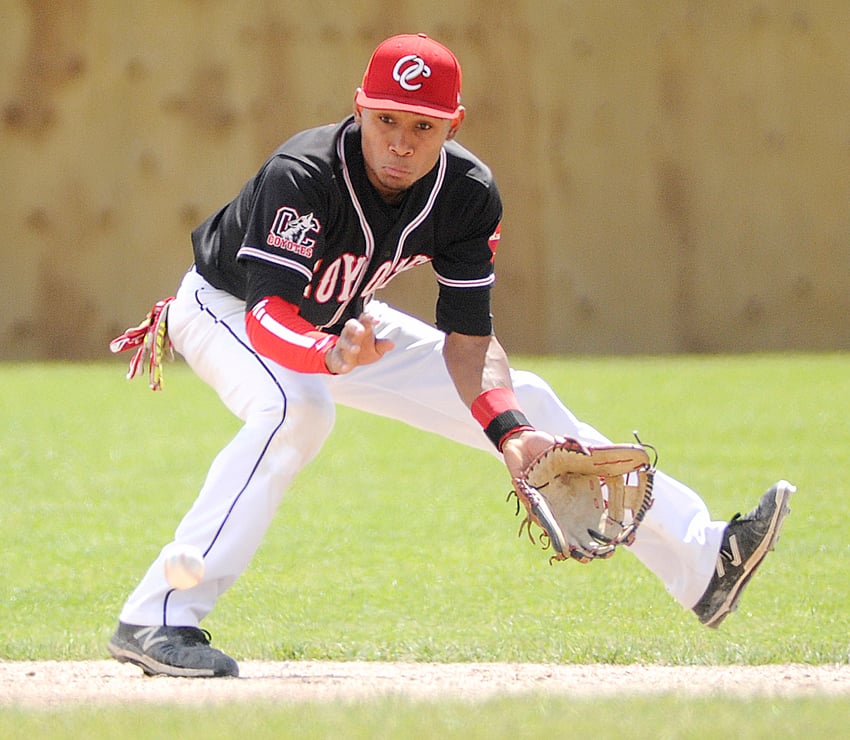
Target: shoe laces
x: 194, y: 636
x: 753, y: 517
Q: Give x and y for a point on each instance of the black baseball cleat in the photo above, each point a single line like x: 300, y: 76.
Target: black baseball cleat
x: 170, y: 651
x: 746, y: 540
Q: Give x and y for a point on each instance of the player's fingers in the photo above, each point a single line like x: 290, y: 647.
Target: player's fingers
x: 343, y: 358
x: 352, y: 337
x: 382, y: 346
x: 367, y: 323
x: 353, y: 328
x: 373, y: 349
x: 357, y: 345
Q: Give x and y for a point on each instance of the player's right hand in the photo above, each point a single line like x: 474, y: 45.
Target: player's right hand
x: 356, y: 346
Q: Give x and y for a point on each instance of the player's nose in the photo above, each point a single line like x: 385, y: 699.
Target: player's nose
x: 400, y: 145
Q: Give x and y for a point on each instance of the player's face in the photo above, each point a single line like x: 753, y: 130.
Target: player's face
x: 399, y: 148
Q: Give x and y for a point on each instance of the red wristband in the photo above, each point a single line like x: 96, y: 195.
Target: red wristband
x: 497, y: 411
x: 491, y: 403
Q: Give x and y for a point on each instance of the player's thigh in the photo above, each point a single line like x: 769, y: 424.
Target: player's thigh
x: 207, y: 327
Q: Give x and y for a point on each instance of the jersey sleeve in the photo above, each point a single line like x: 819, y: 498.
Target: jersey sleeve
x: 464, y: 264
x: 263, y: 279
x: 284, y: 235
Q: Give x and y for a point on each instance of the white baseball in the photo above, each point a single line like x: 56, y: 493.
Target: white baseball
x: 184, y: 565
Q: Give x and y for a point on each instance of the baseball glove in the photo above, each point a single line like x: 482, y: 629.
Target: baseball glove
x: 587, y: 500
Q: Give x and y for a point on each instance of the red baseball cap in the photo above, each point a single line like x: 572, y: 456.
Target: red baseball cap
x: 412, y: 73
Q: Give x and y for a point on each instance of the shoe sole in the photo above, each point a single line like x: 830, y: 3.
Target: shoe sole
x: 125, y: 653
x: 783, y: 493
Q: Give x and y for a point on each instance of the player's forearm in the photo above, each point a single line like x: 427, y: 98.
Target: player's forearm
x: 476, y: 364
x: 277, y: 331
x: 481, y: 373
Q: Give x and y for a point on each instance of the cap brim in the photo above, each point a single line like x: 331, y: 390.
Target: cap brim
x: 385, y: 104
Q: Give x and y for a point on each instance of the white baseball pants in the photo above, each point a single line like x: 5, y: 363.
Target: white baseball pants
x: 288, y: 415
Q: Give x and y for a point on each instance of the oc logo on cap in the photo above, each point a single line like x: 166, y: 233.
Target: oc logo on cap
x: 408, y: 68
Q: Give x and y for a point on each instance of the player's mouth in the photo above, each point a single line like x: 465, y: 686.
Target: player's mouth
x: 398, y: 173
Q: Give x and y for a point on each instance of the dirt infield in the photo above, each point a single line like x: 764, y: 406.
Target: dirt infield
x: 108, y: 682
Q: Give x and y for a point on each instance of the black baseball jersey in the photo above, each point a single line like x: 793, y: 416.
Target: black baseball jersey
x: 311, y: 228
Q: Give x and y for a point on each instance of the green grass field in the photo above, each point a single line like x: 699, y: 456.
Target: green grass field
x: 395, y: 545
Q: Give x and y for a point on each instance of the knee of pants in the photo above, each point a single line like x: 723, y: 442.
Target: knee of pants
x: 301, y: 421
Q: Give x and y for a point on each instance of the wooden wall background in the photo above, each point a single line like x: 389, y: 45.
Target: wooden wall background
x: 676, y: 173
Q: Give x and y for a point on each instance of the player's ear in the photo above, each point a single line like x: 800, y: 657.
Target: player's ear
x: 456, y: 122
x: 358, y: 111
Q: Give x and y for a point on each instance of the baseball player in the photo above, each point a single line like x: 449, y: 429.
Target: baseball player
x: 279, y: 315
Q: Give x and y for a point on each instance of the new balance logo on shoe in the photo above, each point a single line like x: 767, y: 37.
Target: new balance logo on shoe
x: 147, y: 638
x: 733, y: 556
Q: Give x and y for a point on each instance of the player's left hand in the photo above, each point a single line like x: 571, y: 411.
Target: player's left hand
x: 357, y: 345
x: 519, y: 450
